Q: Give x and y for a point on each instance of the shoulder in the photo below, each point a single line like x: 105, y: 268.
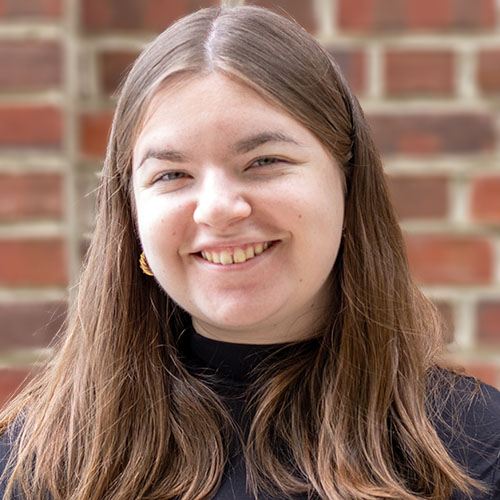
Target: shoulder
x: 7, y: 445
x: 464, y: 407
x: 466, y: 414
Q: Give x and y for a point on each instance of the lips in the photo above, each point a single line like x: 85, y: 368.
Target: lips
x: 236, y: 255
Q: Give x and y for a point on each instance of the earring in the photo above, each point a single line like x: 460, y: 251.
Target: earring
x: 143, y: 263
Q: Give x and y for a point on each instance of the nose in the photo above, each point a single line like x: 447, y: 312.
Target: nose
x: 221, y: 201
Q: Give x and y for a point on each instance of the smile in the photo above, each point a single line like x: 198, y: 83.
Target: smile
x: 236, y: 255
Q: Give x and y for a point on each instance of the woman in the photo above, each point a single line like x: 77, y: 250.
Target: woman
x: 271, y: 344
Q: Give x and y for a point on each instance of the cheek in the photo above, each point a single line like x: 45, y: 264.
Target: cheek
x: 152, y: 221
x: 146, y: 222
x: 322, y: 210
x: 157, y: 231
x: 322, y: 221
x: 162, y: 227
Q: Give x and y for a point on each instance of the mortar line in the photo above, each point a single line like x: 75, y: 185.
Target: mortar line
x: 374, y: 70
x: 70, y: 137
x: 325, y: 13
x: 465, y: 76
x: 465, y: 327
x: 459, y: 196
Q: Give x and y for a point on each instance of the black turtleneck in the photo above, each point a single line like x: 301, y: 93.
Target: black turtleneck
x: 233, y: 362
x: 231, y: 369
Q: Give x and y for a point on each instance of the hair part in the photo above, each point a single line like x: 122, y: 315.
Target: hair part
x: 117, y: 410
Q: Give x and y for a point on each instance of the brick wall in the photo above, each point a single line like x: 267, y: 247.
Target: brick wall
x: 427, y: 74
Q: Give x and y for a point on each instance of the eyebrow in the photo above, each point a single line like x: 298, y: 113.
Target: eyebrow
x: 250, y: 143
x: 164, y: 154
x: 240, y: 147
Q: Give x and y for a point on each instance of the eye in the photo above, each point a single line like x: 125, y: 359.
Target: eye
x: 170, y: 176
x: 265, y: 161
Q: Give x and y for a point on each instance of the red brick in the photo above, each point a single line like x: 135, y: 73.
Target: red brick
x: 156, y: 15
x: 33, y: 263
x: 32, y: 196
x: 28, y: 325
x: 14, y: 9
x: 94, y: 133
x: 452, y: 260
x: 419, y: 196
x: 485, y: 203
x: 30, y: 127
x: 489, y: 71
x: 302, y: 12
x: 488, y: 316
x: 420, y: 134
x: 405, y: 15
x: 409, y: 72
x: 359, y: 15
x: 352, y: 64
x: 30, y: 65
x: 451, y: 14
x: 113, y: 67
x: 11, y: 381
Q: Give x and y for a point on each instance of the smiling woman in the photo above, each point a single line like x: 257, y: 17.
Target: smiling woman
x: 246, y: 325
x: 246, y: 189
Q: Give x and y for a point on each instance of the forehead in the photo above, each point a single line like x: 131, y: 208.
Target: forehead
x: 216, y: 103
x: 188, y: 92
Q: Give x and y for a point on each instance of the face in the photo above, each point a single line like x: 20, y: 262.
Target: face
x: 239, y: 210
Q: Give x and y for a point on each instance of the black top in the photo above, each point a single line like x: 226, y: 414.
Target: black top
x: 230, y: 368
x: 476, y: 447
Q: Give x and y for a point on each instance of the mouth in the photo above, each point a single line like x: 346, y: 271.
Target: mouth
x: 236, y: 255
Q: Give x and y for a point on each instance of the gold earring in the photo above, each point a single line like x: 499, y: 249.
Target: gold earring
x: 143, y: 263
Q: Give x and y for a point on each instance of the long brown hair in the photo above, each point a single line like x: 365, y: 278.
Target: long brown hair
x: 116, y: 415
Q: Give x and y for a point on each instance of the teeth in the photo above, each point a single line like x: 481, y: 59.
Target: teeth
x: 238, y: 256
x: 226, y: 257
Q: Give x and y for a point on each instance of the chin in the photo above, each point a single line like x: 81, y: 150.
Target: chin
x: 237, y: 322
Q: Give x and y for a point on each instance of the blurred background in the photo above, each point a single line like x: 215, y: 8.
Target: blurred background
x: 427, y: 73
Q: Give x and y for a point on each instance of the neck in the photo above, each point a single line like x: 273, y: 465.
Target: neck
x: 301, y: 328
